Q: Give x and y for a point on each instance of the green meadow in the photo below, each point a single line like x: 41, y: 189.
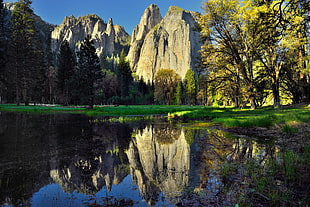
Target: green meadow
x: 228, y: 116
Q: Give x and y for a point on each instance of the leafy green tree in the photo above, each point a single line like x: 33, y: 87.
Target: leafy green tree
x: 190, y: 87
x: 88, y: 72
x: 165, y: 84
x: 179, y: 93
x: 202, y: 89
x: 66, y: 65
x: 227, y: 37
x: 23, y: 50
x: 246, y: 50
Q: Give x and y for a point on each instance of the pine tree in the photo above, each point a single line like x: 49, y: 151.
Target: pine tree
x: 3, y: 50
x: 66, y: 65
x: 23, y: 50
x: 124, y: 75
x: 88, y: 71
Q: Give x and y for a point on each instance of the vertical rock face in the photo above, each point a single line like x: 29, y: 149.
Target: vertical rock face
x: 149, y: 19
x: 107, y: 37
x: 172, y: 44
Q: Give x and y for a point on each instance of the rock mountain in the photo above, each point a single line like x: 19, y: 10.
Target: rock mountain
x: 156, y: 43
x: 108, y: 38
x: 172, y: 42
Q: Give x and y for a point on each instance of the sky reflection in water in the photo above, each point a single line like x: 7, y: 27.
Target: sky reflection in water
x: 53, y: 195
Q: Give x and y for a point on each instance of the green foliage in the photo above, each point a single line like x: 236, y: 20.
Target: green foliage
x: 124, y: 75
x: 272, y: 183
x: 190, y: 87
x: 254, y: 49
x: 25, y: 50
x: 189, y: 136
x: 179, y: 93
x: 288, y: 129
x: 3, y: 49
x: 66, y: 65
x: 88, y: 72
x: 165, y: 84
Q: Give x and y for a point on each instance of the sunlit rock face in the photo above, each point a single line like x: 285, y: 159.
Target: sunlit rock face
x: 108, y: 38
x: 150, y: 18
x: 173, y: 43
x: 159, y: 161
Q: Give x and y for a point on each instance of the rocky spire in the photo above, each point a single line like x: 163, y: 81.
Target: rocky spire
x: 110, y: 41
x: 150, y: 18
x: 74, y: 30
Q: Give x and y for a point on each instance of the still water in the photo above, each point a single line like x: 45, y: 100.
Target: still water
x: 77, y: 160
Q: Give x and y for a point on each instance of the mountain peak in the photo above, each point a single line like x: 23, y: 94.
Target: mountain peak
x: 173, y: 43
x: 74, y: 30
x: 149, y: 19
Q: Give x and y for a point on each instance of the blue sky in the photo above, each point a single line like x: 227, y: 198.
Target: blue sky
x: 126, y: 13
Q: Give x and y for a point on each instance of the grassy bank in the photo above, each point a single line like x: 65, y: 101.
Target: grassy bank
x: 267, y: 117
x: 131, y: 110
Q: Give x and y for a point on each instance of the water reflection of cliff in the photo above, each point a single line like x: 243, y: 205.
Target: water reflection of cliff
x: 72, y: 150
x: 159, y: 160
x: 99, y: 161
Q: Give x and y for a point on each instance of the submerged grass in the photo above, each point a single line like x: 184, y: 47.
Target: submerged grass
x: 282, y: 181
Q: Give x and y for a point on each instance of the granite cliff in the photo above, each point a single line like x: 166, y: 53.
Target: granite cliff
x: 108, y: 38
x: 172, y: 42
x: 150, y: 18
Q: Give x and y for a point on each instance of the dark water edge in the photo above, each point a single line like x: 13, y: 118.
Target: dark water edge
x: 76, y: 160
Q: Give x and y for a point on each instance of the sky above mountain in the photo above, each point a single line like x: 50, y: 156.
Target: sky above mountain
x: 126, y: 13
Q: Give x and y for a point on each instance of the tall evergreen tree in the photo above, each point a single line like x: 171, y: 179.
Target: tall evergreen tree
x: 23, y: 50
x: 88, y: 71
x: 3, y: 50
x: 66, y: 64
x: 124, y: 74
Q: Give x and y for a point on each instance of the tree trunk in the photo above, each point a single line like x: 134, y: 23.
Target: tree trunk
x: 276, y: 94
x: 252, y: 98
x: 252, y: 102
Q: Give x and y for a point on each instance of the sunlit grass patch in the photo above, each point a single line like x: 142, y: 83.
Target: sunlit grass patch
x: 263, y: 121
x: 288, y: 129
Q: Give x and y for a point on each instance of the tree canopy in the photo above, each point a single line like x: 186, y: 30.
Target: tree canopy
x: 248, y: 49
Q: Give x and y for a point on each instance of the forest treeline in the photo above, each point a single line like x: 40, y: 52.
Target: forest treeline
x: 254, y: 52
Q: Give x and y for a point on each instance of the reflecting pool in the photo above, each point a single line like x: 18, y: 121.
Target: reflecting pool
x: 77, y: 160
